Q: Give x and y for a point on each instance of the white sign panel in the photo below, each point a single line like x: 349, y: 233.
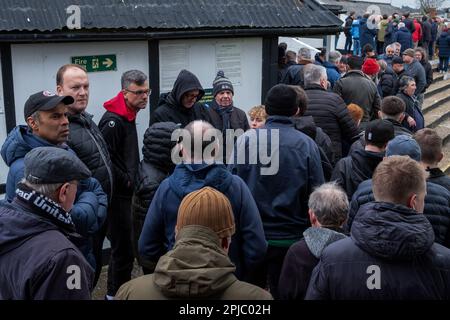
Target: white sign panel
x: 228, y: 59
x: 173, y: 58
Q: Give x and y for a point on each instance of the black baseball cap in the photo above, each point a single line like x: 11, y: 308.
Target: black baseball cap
x: 46, y: 165
x: 44, y: 100
x: 379, y: 131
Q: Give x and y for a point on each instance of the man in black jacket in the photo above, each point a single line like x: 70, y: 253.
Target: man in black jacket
x: 181, y: 105
x: 356, y: 87
x: 156, y: 166
x: 328, y: 110
x: 437, y: 199
x: 431, y: 146
x: 86, y: 140
x: 224, y: 115
x: 391, y: 253
x: 118, y: 126
x: 39, y: 258
x: 360, y: 164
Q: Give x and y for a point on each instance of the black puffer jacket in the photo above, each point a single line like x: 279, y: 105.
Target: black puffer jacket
x: 387, y: 83
x: 437, y: 208
x: 354, y: 169
x: 87, y: 141
x: 306, y: 125
x: 356, y: 87
x: 331, y: 114
x: 170, y: 108
x: 156, y: 166
x: 390, y: 255
x: 439, y: 177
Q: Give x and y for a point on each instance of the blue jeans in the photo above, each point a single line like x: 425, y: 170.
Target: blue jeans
x: 443, y: 64
x: 356, y: 47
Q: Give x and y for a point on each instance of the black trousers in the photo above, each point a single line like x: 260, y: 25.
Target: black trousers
x: 97, y: 247
x: 119, y: 234
x: 268, y: 275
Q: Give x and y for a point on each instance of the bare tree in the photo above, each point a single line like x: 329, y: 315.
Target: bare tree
x: 426, y: 5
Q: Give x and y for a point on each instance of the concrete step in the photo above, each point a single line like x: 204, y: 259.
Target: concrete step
x: 437, y: 115
x: 436, y: 100
x: 436, y: 87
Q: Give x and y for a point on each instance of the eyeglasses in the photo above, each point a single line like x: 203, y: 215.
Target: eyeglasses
x: 140, y: 92
x: 191, y: 96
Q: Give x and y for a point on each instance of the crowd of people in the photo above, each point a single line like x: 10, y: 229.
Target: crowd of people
x: 351, y: 204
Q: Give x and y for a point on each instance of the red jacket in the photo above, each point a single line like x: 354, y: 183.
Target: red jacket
x: 417, y: 34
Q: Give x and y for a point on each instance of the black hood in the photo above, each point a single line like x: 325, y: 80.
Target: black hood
x: 158, y: 145
x: 186, y: 81
x: 306, y: 125
x: 392, y: 231
x: 365, y: 162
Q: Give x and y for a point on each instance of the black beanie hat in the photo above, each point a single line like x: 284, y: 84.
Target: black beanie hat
x: 221, y: 83
x: 281, y: 100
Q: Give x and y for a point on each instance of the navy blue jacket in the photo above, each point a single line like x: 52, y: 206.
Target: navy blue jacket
x: 437, y: 208
x: 89, y: 210
x: 404, y: 37
x: 35, y: 257
x: 248, y: 245
x: 443, y: 43
x: 390, y: 255
x: 366, y: 35
x: 281, y: 195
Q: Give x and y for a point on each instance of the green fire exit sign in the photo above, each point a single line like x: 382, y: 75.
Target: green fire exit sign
x: 106, y: 62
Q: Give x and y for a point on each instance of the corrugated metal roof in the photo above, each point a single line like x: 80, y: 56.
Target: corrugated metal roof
x: 362, y: 7
x: 51, y: 15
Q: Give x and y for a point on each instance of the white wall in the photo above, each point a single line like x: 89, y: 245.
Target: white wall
x: 35, y: 66
x: 200, y: 57
x: 3, y: 166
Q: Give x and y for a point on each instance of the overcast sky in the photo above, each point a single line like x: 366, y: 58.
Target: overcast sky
x: 412, y: 3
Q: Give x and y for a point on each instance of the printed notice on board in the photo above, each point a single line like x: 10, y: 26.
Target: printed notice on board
x: 228, y: 59
x: 173, y: 58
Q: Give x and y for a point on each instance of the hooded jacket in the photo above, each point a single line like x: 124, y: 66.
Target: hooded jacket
x: 354, y: 169
x: 118, y: 127
x: 306, y: 125
x: 437, y: 208
x: 390, y: 255
x: 301, y: 259
x: 417, y: 71
x: 156, y: 166
x: 37, y: 257
x: 248, y: 245
x: 170, y: 108
x: 196, y: 268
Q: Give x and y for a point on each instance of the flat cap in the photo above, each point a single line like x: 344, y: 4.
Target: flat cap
x: 45, y: 165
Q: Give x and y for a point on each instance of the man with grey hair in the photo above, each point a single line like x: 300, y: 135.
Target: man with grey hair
x: 118, y: 126
x: 331, y: 66
x: 294, y: 74
x: 328, y: 206
x: 328, y: 110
